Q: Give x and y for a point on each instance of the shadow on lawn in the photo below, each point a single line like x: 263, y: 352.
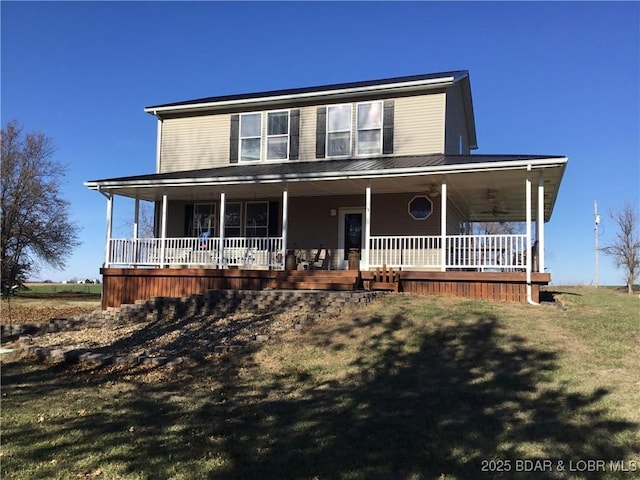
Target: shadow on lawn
x: 467, y: 393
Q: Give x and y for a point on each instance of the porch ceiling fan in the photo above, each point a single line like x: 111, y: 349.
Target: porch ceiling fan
x: 495, y: 211
x: 492, y: 196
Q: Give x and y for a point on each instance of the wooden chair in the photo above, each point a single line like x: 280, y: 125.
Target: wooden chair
x: 385, y: 279
x: 317, y: 263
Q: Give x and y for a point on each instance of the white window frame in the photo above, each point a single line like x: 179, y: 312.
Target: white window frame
x: 368, y: 129
x: 416, y: 197
x: 246, y: 218
x: 259, y: 137
x: 268, y: 137
x: 349, y: 131
x: 227, y: 226
x: 196, y: 228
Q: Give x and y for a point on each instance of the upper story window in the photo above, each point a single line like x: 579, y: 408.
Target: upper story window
x: 278, y: 135
x: 368, y: 132
x: 250, y: 137
x: 339, y: 131
x: 264, y: 136
x: 369, y: 128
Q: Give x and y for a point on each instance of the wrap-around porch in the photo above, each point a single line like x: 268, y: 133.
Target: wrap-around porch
x: 415, y: 220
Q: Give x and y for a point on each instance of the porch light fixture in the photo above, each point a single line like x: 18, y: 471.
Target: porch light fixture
x: 433, y: 190
x: 420, y: 207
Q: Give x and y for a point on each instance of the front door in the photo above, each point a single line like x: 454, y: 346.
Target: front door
x: 351, y: 233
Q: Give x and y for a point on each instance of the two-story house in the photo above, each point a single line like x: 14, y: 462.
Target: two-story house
x: 299, y: 188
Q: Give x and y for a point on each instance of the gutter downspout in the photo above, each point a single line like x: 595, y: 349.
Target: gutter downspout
x: 528, y: 226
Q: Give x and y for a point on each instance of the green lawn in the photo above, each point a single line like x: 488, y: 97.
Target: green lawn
x: 60, y: 288
x: 408, y: 388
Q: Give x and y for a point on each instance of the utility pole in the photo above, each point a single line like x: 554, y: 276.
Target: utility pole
x: 595, y: 235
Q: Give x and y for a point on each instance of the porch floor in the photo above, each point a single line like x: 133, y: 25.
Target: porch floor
x: 128, y: 285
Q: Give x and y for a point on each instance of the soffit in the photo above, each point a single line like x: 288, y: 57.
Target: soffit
x: 483, y: 188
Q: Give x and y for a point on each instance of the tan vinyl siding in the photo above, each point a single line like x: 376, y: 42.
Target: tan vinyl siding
x: 419, y: 125
x: 194, y: 142
x: 307, y: 138
x: 202, y: 141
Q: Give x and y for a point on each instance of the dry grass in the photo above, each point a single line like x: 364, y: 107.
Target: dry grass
x: 409, y: 388
x: 39, y: 309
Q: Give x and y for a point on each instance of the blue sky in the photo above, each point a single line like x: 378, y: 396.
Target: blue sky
x: 546, y: 78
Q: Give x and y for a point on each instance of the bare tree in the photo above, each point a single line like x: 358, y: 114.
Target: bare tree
x: 145, y: 222
x: 497, y: 228
x: 625, y: 249
x: 34, y: 219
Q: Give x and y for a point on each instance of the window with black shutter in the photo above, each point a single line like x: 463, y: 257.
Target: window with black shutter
x: 367, y: 131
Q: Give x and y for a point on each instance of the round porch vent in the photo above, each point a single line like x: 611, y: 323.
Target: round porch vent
x: 420, y: 207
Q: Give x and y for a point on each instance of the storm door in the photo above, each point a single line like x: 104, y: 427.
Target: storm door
x: 351, y: 233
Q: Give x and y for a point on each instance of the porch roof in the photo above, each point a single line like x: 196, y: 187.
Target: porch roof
x: 484, y: 187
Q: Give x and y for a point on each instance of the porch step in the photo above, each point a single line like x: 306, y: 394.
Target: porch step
x: 277, y: 285
x: 316, y: 280
x: 320, y: 273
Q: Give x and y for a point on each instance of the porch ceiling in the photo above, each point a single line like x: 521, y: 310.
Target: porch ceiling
x: 483, y: 187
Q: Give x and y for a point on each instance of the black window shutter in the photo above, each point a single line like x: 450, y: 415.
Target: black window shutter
x: 321, y: 131
x: 294, y: 135
x: 387, y: 128
x: 188, y: 220
x: 233, y: 138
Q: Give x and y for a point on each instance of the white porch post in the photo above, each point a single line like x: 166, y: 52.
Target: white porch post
x: 528, y: 233
x: 223, y: 207
x: 540, y: 223
x: 107, y: 247
x: 443, y: 226
x: 163, y: 229
x: 367, y: 227
x: 285, y: 222
x: 136, y: 218
x: 136, y: 221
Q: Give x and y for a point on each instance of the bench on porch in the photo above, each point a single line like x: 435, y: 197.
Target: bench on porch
x: 385, y: 279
